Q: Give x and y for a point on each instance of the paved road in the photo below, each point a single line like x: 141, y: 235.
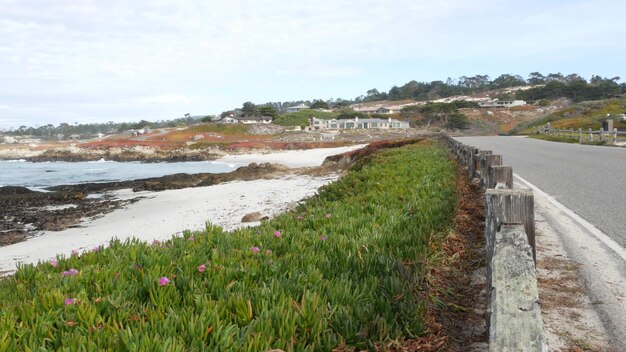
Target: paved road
x: 589, y: 180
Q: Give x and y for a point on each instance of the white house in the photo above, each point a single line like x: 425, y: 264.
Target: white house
x: 228, y: 120
x: 10, y: 140
x: 254, y: 119
x: 375, y: 110
x: 501, y: 104
x: 356, y: 123
x: 296, y: 108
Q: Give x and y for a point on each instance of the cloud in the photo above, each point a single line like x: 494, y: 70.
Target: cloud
x: 164, y: 99
x: 103, y: 58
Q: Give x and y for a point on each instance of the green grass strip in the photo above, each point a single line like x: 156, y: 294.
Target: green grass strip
x: 347, y: 268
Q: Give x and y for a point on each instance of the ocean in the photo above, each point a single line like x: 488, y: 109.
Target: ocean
x: 37, y: 176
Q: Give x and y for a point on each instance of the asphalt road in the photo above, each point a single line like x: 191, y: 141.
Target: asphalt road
x: 590, y: 180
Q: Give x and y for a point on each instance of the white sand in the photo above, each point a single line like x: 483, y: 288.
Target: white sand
x: 162, y: 214
x: 291, y: 158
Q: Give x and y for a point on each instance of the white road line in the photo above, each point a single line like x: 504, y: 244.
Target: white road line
x: 608, y: 241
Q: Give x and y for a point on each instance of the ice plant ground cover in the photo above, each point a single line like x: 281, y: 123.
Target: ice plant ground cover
x: 353, y: 278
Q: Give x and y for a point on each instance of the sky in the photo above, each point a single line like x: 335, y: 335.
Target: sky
x: 80, y: 61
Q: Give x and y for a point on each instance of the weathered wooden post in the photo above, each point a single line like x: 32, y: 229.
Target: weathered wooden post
x: 501, y: 177
x: 601, y: 134
x: 481, y: 160
x: 580, y: 136
x: 513, y: 309
x: 509, y: 206
x: 471, y: 161
x: 490, y: 161
x: 571, y: 133
x: 590, y: 135
x: 614, y: 135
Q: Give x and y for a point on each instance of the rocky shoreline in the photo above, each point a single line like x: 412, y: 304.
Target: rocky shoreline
x: 153, y: 156
x: 26, y: 212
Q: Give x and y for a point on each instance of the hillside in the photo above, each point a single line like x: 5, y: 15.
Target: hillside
x: 586, y: 114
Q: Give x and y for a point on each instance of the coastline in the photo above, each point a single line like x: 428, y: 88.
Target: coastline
x: 159, y: 214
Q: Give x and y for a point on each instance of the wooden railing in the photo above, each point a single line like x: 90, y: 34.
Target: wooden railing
x: 585, y: 136
x: 513, y: 311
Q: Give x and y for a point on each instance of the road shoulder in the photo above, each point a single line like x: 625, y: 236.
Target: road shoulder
x: 581, y: 287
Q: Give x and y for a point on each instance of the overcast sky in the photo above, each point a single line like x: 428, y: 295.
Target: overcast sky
x: 98, y: 61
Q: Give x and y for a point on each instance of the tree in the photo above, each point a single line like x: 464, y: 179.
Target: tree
x: 506, y: 81
x: 556, y: 77
x: 535, y: 78
x: 341, y: 103
x: 319, y: 104
x: 457, y: 120
x: 248, y: 109
x: 410, y: 112
x: 394, y: 93
x: 574, y: 77
x: 267, y: 110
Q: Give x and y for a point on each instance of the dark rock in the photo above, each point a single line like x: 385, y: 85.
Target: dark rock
x: 252, y: 217
x: 11, y: 190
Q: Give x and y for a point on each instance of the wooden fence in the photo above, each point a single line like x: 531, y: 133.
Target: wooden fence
x: 513, y: 313
x: 587, y: 136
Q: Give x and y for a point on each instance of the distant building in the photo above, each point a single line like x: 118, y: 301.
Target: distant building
x: 380, y: 109
x: 254, y: 119
x: 227, y: 120
x: 501, y: 104
x: 138, y: 132
x: 356, y: 123
x: 10, y: 140
x: 296, y: 108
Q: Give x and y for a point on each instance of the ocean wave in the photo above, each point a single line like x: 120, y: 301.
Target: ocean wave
x: 16, y: 161
x: 102, y: 160
x: 231, y: 165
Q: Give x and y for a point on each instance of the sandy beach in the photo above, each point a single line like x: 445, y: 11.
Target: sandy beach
x: 159, y: 215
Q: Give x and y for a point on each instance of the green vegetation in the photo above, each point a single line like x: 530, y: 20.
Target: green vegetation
x: 583, y: 115
x: 576, y: 89
x: 349, y: 267
x: 446, y: 113
x: 319, y: 104
x: 302, y: 117
x: 51, y: 132
x: 217, y: 128
x: 567, y: 139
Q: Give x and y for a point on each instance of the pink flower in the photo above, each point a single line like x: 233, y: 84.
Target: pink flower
x: 255, y: 249
x: 54, y: 263
x: 70, y: 272
x: 96, y: 249
x: 300, y: 217
x: 323, y: 237
x: 156, y: 243
x: 201, y: 268
x: 164, y: 281
x: 328, y: 216
x: 268, y: 251
x: 69, y: 301
x: 75, y: 252
x: 277, y: 234
x: 191, y: 238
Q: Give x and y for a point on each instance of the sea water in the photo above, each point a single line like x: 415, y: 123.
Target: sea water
x: 45, y: 174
